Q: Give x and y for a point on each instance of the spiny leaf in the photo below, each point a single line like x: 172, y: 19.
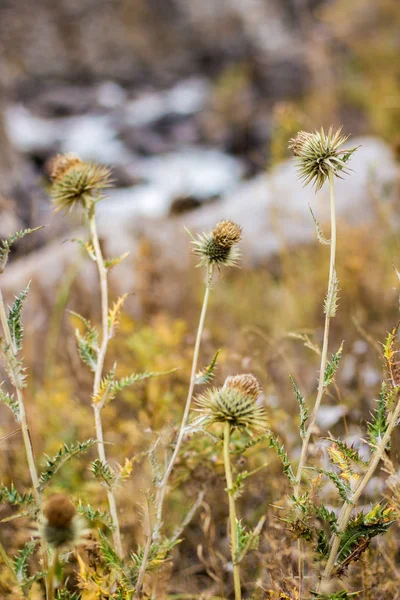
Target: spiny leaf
x: 125, y: 382
x: 281, y: 452
x: 247, y: 540
x: 343, y: 488
x: 331, y: 300
x: 303, y: 408
x: 111, y: 558
x: 332, y: 367
x: 321, y: 238
x: 103, y: 471
x: 106, y: 391
x: 347, y: 459
x: 238, y: 484
x: 14, y: 367
x: 11, y: 402
x: 67, y: 595
x: 21, y: 561
x: 359, y: 532
x: 88, y: 349
x: 94, y: 515
x: 87, y: 246
x: 114, y: 314
x: 5, y: 245
x: 390, y: 355
x: 113, y: 262
x: 15, y: 321
x: 379, y: 424
x: 13, y: 497
x: 65, y: 453
x: 207, y: 374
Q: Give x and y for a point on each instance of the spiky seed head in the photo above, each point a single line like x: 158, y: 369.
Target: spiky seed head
x: 234, y: 403
x: 296, y: 144
x: 227, y: 233
x: 61, y: 163
x: 319, y: 154
x: 76, y: 182
x: 61, y: 525
x: 246, y: 384
x: 219, y: 247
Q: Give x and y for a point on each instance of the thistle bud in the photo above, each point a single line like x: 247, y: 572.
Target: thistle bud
x: 61, y: 525
x: 235, y: 403
x: 76, y: 182
x: 219, y: 248
x: 319, y: 154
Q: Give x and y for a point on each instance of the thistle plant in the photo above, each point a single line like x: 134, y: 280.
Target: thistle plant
x: 216, y: 249
x: 320, y: 158
x: 80, y: 185
x: 235, y: 406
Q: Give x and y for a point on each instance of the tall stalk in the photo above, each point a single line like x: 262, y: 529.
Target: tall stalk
x: 99, y: 372
x: 232, y: 511
x: 347, y: 508
x: 192, y: 382
x: 324, y: 360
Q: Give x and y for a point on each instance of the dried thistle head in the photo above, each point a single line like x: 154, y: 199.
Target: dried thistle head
x: 75, y: 182
x: 319, y: 154
x: 219, y: 247
x: 234, y: 403
x: 61, y: 525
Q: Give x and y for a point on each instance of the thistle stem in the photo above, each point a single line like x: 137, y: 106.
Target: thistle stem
x: 170, y: 465
x: 181, y: 433
x: 347, y: 508
x: 51, y: 576
x: 232, y: 511
x: 99, y: 372
x: 324, y: 359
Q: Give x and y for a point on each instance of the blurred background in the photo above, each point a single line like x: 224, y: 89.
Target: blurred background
x: 192, y: 103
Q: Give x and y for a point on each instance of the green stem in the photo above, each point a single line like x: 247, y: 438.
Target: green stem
x: 232, y: 511
x: 51, y: 576
x: 321, y: 387
x: 181, y: 434
x: 99, y: 372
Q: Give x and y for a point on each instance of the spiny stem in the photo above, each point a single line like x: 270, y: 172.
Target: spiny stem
x: 347, y: 508
x: 164, y: 482
x: 148, y: 534
x: 232, y: 511
x: 324, y: 359
x: 99, y: 372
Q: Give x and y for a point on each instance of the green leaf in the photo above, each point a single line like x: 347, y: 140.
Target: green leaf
x: 379, y: 424
x: 95, y: 515
x: 303, y: 408
x: 113, y: 262
x: 247, y: 540
x: 21, y: 561
x: 331, y: 300
x: 207, y: 374
x: 13, y: 497
x: 281, y: 452
x: 15, y: 321
x: 321, y: 238
x: 103, y: 472
x: 238, y: 484
x: 342, y: 487
x: 332, y: 367
x: 110, y: 556
x: 11, y: 402
x: 5, y: 245
x: 65, y: 453
x: 88, y: 349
